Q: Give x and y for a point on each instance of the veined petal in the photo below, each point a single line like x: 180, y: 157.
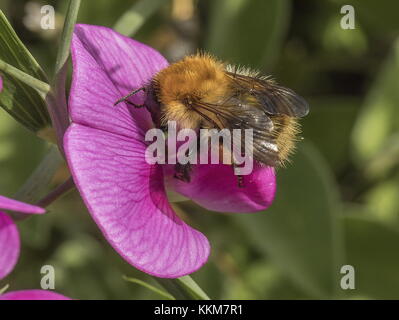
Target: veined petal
x: 107, y: 66
x: 215, y: 187
x: 126, y: 197
x: 9, y: 244
x: 14, y: 205
x: 105, y: 150
x: 33, y: 295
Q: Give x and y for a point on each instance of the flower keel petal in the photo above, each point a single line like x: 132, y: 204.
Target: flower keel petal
x: 126, y: 198
x: 14, y: 205
x: 9, y: 244
x: 215, y: 187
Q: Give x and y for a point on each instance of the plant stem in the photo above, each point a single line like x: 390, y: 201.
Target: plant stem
x: 56, y: 102
x: 149, y: 287
x: 67, y: 31
x: 184, y: 288
x: 61, y: 190
x: 40, y: 178
x: 38, y: 181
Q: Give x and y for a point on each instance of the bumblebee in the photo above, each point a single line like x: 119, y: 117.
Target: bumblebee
x: 200, y: 92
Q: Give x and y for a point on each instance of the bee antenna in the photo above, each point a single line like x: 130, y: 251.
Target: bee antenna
x: 129, y: 95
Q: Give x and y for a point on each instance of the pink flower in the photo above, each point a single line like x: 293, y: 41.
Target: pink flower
x: 105, y: 149
x: 9, y: 250
x: 9, y: 236
x: 33, y: 295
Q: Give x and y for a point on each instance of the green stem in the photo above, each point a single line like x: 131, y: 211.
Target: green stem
x: 149, y: 287
x: 184, y: 288
x: 134, y: 18
x: 57, y: 102
x: 61, y: 190
x: 4, y: 289
x: 67, y: 31
x: 40, y: 178
x: 41, y: 87
x: 38, y: 181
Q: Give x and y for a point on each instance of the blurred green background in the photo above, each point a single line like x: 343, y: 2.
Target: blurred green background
x: 337, y: 201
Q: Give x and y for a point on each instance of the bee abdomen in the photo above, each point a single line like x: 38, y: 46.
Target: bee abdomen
x: 286, y: 130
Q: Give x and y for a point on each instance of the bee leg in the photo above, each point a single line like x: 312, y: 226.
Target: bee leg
x: 240, y: 181
x: 137, y: 106
x: 125, y: 98
x: 182, y: 172
x: 240, y: 178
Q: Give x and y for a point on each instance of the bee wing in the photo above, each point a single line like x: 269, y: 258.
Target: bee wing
x: 273, y: 98
x: 233, y: 114
x: 263, y: 146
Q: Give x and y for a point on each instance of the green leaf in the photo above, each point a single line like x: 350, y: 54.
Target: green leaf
x: 300, y: 232
x: 41, y: 87
x: 149, y: 287
x: 14, y: 141
x: 372, y: 249
x: 383, y: 201
x: 258, y: 280
x: 37, y: 184
x: 314, y: 127
x: 382, y: 163
x: 4, y: 289
x: 134, y: 18
x: 379, y: 118
x: 103, y: 12
x: 239, y: 35
x: 184, y: 288
x: 334, y: 38
x: 18, y: 99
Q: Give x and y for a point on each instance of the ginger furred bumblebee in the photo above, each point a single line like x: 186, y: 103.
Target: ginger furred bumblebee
x: 201, y: 92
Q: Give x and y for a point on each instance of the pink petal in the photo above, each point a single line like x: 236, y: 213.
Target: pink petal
x: 33, y: 295
x: 107, y: 66
x: 14, y: 205
x: 9, y: 244
x: 106, y: 153
x: 126, y: 198
x: 214, y: 186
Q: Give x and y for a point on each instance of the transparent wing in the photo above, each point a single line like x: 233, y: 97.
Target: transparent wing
x: 233, y: 114
x: 272, y: 98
